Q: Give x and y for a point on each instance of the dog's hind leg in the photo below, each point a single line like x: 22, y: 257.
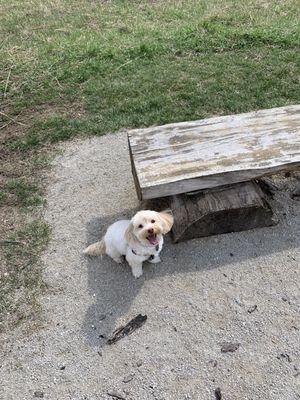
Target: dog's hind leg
x: 114, y: 254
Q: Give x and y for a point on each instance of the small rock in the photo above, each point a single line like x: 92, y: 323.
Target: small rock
x: 231, y: 254
x: 100, y: 353
x: 297, y: 372
x: 252, y: 309
x: 102, y: 317
x: 286, y: 299
x: 115, y: 395
x: 284, y: 356
x: 238, y: 301
x: 213, y: 363
x: 229, y: 347
x: 128, y: 378
x: 62, y: 367
x: 139, y: 363
x: 175, y: 329
x: 102, y: 336
x: 39, y: 394
x: 218, y: 394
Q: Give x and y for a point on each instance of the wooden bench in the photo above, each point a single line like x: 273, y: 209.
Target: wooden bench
x: 208, y: 154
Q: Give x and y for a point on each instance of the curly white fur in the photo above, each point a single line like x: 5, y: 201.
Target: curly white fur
x: 138, y: 239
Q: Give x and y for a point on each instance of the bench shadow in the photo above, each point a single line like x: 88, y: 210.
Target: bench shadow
x: 113, y: 288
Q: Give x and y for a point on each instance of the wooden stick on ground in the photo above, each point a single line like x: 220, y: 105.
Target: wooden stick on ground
x: 126, y: 330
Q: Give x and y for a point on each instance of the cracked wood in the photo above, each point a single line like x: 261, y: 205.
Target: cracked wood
x: 187, y: 156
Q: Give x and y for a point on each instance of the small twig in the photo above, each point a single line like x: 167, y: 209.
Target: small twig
x: 57, y: 82
x: 4, y: 126
x: 218, y: 394
x: 123, y: 65
x: 132, y: 325
x: 7, y: 81
x: 12, y: 119
x: 4, y: 242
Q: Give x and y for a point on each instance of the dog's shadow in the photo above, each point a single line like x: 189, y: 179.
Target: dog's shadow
x: 113, y: 288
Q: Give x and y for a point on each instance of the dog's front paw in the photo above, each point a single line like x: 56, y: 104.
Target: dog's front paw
x: 155, y: 260
x: 137, y: 271
x: 118, y: 260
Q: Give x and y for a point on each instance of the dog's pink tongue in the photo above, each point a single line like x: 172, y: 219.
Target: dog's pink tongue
x: 152, y: 239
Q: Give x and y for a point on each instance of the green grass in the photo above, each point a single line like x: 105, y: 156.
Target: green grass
x: 79, y: 68
x: 22, y: 279
x: 132, y: 63
x: 21, y: 192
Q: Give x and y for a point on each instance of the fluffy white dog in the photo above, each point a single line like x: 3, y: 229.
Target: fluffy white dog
x: 138, y: 240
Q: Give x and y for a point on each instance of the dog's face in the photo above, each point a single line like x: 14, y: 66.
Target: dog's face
x: 148, y: 226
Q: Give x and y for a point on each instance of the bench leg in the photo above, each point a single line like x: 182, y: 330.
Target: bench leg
x: 233, y: 208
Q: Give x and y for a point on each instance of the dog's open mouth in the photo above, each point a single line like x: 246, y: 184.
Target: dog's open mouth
x: 152, y: 239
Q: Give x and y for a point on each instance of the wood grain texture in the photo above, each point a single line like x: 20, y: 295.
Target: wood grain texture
x: 235, y: 208
x: 187, y: 156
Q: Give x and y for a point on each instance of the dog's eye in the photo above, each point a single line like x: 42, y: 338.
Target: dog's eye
x: 152, y: 221
x: 140, y: 226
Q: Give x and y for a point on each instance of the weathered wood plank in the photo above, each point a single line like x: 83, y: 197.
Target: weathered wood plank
x: 187, y: 156
x: 221, y: 210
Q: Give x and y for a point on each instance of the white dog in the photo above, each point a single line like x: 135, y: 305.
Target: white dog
x: 138, y: 240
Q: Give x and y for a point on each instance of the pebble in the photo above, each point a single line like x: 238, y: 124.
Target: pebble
x: 213, y: 363
x: 102, y: 336
x: 128, y: 378
x: 229, y: 347
x: 39, y: 394
x: 252, y: 309
x: 115, y: 395
x: 284, y: 356
x: 218, y: 394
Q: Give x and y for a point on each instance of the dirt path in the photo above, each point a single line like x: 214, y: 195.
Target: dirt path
x: 238, y: 288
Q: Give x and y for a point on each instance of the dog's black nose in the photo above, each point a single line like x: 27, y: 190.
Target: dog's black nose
x: 150, y: 231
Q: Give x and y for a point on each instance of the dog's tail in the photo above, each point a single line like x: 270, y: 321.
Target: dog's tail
x: 95, y: 249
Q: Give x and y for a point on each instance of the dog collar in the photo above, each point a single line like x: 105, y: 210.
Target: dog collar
x: 142, y: 255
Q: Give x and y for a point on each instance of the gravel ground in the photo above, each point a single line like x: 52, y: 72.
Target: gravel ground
x: 238, y: 288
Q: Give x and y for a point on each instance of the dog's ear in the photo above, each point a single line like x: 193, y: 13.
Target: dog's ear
x: 167, y: 220
x: 129, y: 236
